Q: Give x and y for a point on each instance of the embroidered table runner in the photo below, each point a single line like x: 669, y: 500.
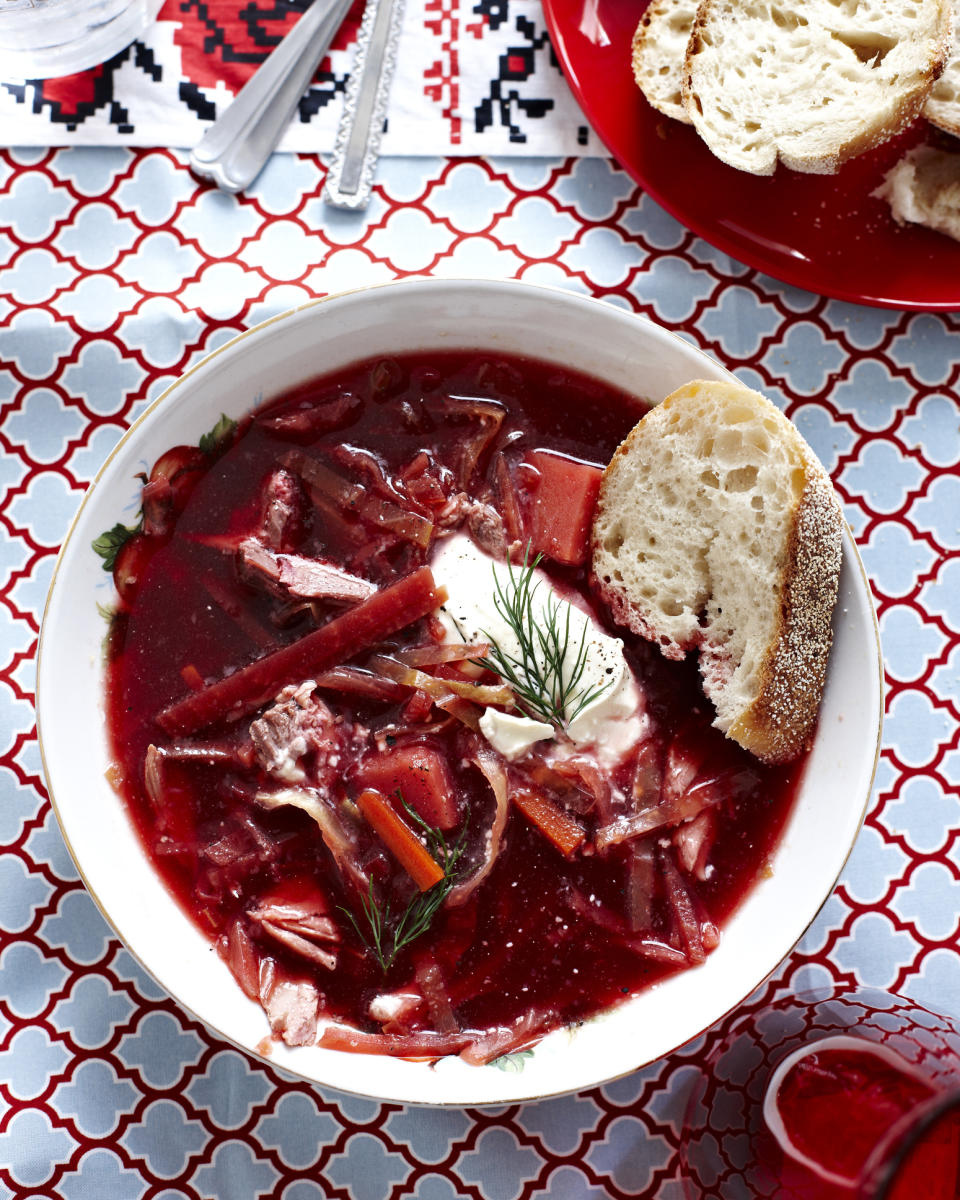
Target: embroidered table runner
x: 473, y: 77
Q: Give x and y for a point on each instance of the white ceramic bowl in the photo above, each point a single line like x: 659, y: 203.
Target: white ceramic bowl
x: 593, y: 337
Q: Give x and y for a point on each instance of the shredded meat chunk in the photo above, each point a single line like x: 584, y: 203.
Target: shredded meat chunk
x: 485, y: 526
x: 299, y: 578
x: 290, y: 1004
x: 483, y: 522
x: 299, y: 919
x: 282, y: 507
x: 299, y: 723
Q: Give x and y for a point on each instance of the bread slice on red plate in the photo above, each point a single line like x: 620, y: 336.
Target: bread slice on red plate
x: 718, y: 530
x: 810, y: 83
x: 658, y: 51
x: 943, y: 104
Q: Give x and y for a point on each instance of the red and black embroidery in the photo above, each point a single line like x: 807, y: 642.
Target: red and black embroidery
x: 505, y: 103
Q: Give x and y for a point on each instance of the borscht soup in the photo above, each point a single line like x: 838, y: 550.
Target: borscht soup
x: 381, y: 739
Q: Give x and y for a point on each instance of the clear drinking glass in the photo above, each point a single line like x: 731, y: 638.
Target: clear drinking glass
x: 44, y: 38
x: 828, y: 1096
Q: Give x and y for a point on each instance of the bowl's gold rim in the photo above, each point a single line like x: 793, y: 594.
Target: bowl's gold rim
x: 317, y: 302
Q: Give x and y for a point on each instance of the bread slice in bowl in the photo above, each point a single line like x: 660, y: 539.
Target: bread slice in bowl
x: 810, y: 83
x: 718, y: 530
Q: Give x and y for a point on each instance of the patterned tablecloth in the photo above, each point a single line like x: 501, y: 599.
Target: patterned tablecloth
x: 117, y: 271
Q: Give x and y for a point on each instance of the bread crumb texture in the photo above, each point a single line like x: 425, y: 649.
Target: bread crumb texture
x: 810, y: 83
x: 924, y: 188
x: 717, y: 529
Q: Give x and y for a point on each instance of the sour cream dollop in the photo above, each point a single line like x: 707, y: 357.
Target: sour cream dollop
x: 609, y: 725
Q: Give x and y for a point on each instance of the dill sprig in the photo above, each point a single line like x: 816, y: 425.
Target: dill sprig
x: 387, y: 935
x: 546, y: 685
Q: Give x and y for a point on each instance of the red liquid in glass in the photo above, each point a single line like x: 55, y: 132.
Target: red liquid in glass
x: 931, y: 1169
x: 827, y: 1095
x: 837, y: 1105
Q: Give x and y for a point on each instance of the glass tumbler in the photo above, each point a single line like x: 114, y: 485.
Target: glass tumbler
x: 827, y: 1096
x: 40, y: 39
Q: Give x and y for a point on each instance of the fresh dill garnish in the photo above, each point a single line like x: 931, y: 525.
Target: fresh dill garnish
x: 386, y: 935
x: 545, y: 684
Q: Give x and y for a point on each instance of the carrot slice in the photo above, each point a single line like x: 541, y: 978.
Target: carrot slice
x: 400, y: 840
x: 192, y: 677
x: 332, y: 644
x: 555, y: 824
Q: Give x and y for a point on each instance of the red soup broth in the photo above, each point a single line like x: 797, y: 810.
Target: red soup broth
x: 547, y: 938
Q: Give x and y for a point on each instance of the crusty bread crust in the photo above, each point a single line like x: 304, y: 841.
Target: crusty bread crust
x: 657, y: 54
x: 780, y: 723
x: 943, y: 104
x: 766, y: 81
x: 759, y: 550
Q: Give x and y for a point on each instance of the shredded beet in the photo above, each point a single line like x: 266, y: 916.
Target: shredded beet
x: 356, y: 681
x: 511, y: 1038
x: 641, y: 889
x: 257, y: 633
x: 684, y: 910
x: 411, y: 1045
x: 238, y: 951
x: 509, y: 501
x: 353, y: 498
x: 339, y: 640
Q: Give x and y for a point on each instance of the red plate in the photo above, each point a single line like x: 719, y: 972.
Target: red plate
x: 824, y: 233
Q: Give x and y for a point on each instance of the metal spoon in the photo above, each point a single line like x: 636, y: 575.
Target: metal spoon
x: 234, y: 149
x: 350, y: 178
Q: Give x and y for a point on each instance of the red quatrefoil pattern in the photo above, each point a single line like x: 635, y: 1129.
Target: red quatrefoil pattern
x: 117, y: 271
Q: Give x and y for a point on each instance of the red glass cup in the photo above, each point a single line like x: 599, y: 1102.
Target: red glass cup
x: 827, y: 1096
